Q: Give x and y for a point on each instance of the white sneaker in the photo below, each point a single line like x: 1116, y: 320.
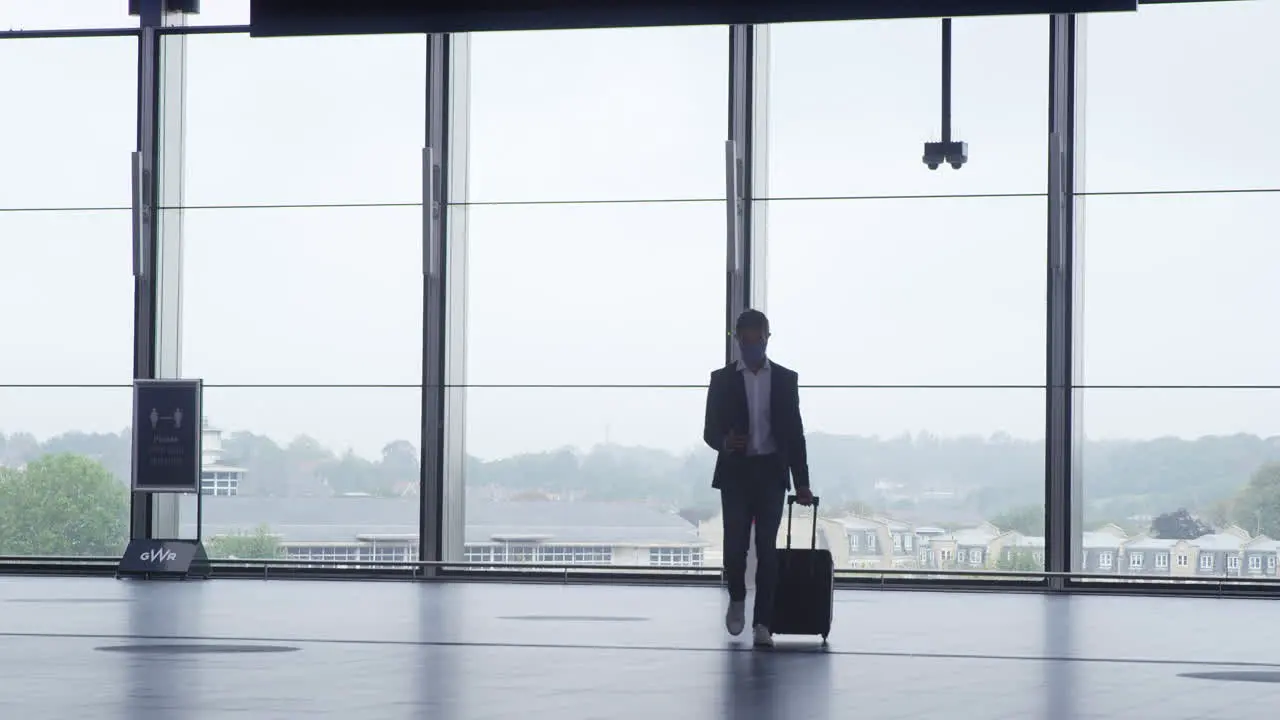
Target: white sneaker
x: 762, y: 638
x: 735, y: 620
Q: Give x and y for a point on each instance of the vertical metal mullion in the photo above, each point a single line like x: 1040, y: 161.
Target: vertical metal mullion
x: 757, y: 169
x: 171, y: 94
x: 1075, y: 217
x: 433, y: 293
x: 1062, y: 489
x: 142, y: 164
x: 158, y: 181
x: 443, y: 451
x: 738, y: 181
x: 456, y: 195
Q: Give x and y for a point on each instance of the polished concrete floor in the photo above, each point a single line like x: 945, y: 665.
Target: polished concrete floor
x: 221, y: 649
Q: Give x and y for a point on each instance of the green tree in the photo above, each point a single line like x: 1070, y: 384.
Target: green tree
x: 63, y: 504
x: 399, y: 466
x: 698, y: 514
x: 1257, y: 506
x: 18, y: 449
x: 1178, y: 525
x: 351, y: 474
x: 266, y: 464
x: 261, y: 544
x: 1220, y: 513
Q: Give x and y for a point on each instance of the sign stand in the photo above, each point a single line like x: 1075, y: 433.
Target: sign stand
x: 167, y: 433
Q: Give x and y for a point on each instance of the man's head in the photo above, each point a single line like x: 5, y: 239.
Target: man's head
x: 752, y: 333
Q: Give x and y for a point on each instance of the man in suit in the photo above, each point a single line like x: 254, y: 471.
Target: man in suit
x: 753, y: 422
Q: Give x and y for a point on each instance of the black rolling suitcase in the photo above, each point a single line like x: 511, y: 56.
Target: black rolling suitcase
x: 806, y: 585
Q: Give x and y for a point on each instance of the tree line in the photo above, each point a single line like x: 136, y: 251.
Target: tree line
x: 951, y: 482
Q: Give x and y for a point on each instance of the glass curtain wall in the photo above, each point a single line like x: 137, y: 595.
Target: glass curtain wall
x: 595, y: 293
x: 1181, y: 443
x: 592, y: 229
x: 66, y: 281
x: 912, y: 300
x: 301, y: 292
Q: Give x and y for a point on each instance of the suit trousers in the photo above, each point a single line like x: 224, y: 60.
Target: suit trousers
x: 754, y: 494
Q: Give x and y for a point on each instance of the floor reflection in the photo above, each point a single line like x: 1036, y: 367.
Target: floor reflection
x: 792, y: 681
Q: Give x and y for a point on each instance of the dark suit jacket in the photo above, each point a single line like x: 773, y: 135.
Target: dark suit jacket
x: 727, y: 410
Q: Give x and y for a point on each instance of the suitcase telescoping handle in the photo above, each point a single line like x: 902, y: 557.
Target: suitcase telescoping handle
x: 791, y: 504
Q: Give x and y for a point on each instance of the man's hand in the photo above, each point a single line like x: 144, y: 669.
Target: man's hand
x: 733, y: 442
x: 804, y: 496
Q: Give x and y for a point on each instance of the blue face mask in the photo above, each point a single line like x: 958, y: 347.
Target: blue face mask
x: 753, y: 352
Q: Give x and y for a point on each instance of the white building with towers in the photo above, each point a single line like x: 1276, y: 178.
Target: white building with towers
x: 215, y: 477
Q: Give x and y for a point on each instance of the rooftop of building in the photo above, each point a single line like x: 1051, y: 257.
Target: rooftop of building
x: 342, y: 519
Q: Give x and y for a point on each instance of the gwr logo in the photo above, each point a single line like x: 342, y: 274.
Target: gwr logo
x: 159, y: 555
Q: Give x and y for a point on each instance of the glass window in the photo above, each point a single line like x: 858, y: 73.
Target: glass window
x: 853, y: 103
x: 328, y: 296
x: 1177, y: 281
x: 64, y: 469
x: 1171, y: 280
x: 872, y: 295
x: 306, y: 322
x: 603, y: 444
x: 617, y: 114
x: 595, y: 287
x: 73, y: 273
x: 676, y: 556
x: 66, y: 15
x: 881, y: 292
x: 66, y: 348
x: 629, y: 294
x: 1176, y: 291
x: 305, y: 121
x: 69, y: 145
x: 319, y: 465
x: 1179, y: 98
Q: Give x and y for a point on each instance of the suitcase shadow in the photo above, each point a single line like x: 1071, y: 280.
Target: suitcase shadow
x: 799, y: 646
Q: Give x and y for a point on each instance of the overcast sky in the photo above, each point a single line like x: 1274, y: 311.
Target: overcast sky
x: 861, y: 291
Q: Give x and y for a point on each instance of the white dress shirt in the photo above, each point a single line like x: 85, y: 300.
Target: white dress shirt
x: 758, y: 384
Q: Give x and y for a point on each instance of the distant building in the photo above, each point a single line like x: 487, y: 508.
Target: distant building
x: 1146, y: 555
x: 216, y: 478
x: 372, y: 529
x: 880, y: 542
x: 1260, y: 556
x: 1023, y: 552
x: 336, y: 530
x: 830, y: 535
x: 1101, y: 550
x: 1220, y: 553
